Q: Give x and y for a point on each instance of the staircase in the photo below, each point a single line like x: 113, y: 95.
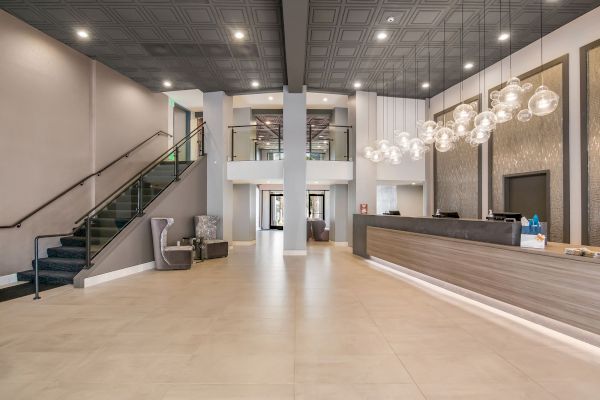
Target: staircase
x: 67, y: 260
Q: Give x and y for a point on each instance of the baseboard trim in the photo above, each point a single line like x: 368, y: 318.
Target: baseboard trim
x: 584, y: 340
x: 8, y: 279
x: 294, y: 252
x: 344, y: 244
x: 120, y: 273
x: 244, y: 242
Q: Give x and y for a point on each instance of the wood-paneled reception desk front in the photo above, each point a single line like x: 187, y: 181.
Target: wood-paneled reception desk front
x: 483, y: 258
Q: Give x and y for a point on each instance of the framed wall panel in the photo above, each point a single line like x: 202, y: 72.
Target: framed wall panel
x: 590, y: 143
x: 540, y: 144
x: 457, y: 173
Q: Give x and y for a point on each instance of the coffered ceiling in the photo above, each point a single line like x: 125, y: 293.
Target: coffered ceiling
x: 191, y: 42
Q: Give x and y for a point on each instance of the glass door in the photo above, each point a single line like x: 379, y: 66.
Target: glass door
x: 276, y: 206
x: 316, y: 206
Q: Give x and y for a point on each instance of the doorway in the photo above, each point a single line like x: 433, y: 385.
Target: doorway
x: 528, y: 194
x: 276, y: 204
x: 316, y: 206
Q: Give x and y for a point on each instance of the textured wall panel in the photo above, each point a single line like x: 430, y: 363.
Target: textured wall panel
x: 594, y: 146
x: 533, y: 146
x: 457, y: 177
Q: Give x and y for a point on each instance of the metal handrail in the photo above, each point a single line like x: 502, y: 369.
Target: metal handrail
x: 143, y: 171
x: 36, y: 260
x: 82, y: 181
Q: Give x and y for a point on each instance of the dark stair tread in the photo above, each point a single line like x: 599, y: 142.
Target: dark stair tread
x: 60, y: 264
x: 52, y: 277
x: 74, y: 252
x: 73, y: 241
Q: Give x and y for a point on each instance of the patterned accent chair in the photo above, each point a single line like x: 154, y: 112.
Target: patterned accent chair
x: 319, y: 233
x: 169, y: 257
x: 206, y: 232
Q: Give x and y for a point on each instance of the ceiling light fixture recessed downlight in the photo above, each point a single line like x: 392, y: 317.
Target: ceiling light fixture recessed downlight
x: 239, y: 35
x: 83, y: 34
x: 469, y: 65
x: 503, y: 36
x: 255, y: 84
x: 357, y: 85
x: 167, y: 84
x: 325, y: 99
x: 271, y: 98
x: 381, y: 36
x: 390, y: 19
x: 425, y: 85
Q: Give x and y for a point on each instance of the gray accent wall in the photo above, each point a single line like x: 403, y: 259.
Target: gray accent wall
x: 62, y: 116
x: 593, y: 146
x: 244, y: 212
x: 182, y: 201
x: 537, y: 146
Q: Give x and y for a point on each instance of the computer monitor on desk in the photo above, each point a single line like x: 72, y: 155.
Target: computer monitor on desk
x: 446, y: 214
x: 506, y: 216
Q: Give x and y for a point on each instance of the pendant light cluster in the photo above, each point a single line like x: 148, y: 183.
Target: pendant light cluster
x: 475, y: 128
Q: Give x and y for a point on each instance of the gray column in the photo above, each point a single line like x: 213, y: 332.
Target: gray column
x: 294, y: 172
x: 218, y: 114
x: 362, y: 115
x: 244, y: 213
x: 339, y: 214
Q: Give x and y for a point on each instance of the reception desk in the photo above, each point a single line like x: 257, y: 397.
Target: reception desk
x: 545, y: 286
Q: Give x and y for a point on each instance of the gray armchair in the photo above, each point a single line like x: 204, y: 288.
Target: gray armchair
x: 206, y: 228
x: 169, y: 257
x: 319, y: 233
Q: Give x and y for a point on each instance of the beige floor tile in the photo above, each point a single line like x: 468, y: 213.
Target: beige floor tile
x: 479, y: 391
x: 452, y: 367
x: 358, y: 392
x: 350, y: 369
x: 229, y: 392
x: 258, y: 325
x: 570, y: 389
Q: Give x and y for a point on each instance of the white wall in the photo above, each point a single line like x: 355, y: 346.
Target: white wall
x: 410, y: 200
x: 565, y: 40
x: 62, y: 116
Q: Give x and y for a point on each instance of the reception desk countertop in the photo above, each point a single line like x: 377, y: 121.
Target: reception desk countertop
x: 546, y: 286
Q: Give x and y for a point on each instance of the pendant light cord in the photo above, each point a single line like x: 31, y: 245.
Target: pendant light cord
x: 484, y: 55
x: 501, y: 50
x: 404, y: 95
x: 416, y: 79
x: 509, y: 42
x: 444, y: 72
x: 429, y: 64
x: 542, y: 40
x: 462, y: 34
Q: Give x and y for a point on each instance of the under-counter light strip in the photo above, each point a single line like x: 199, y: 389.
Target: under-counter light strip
x: 394, y: 270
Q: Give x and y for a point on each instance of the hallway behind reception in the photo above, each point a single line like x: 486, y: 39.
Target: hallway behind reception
x: 260, y: 325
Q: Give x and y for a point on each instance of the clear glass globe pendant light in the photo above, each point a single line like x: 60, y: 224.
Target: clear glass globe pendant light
x: 544, y: 101
x: 485, y: 122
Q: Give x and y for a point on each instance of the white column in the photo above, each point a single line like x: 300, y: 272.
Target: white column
x: 218, y: 114
x: 362, y: 115
x: 294, y: 172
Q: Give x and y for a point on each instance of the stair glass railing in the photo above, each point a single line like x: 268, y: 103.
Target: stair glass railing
x: 101, y: 224
x: 328, y: 142
x: 258, y: 142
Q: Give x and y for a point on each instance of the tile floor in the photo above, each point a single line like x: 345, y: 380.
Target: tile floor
x: 258, y: 325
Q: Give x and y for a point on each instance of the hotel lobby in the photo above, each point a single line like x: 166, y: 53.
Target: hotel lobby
x: 300, y: 199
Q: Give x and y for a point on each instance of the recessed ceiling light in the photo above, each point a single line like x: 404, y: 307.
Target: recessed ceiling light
x: 239, y: 35
x: 268, y: 122
x: 382, y: 36
x: 167, y: 84
x: 469, y: 65
x: 267, y: 143
x: 255, y: 84
x: 271, y: 98
x: 325, y: 99
x: 357, y: 85
x: 425, y: 85
x: 503, y: 36
x: 414, y: 183
x: 390, y: 19
x: 82, y: 33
